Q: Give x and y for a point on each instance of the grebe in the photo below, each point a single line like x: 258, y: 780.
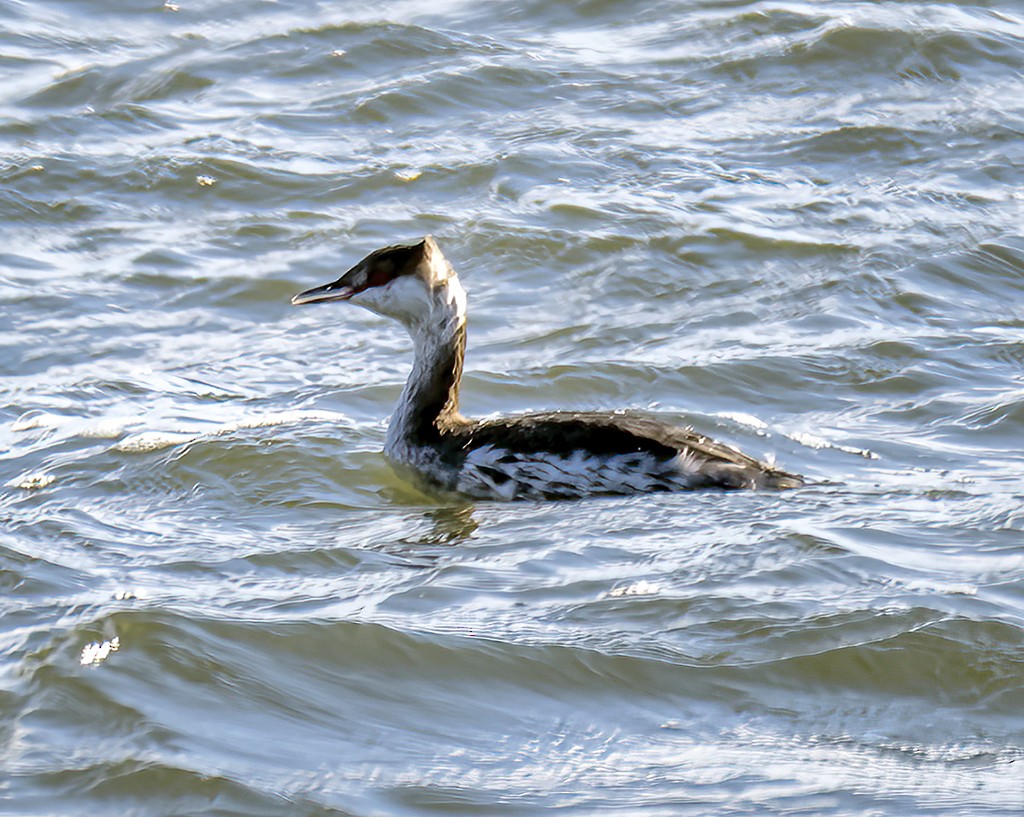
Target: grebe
x: 557, y: 455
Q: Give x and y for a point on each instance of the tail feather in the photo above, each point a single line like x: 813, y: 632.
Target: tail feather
x: 731, y: 475
x: 779, y: 480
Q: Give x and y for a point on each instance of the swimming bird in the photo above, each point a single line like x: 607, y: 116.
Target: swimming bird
x: 554, y: 455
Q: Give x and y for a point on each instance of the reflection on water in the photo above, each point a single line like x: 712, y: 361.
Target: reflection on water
x: 451, y: 525
x: 795, y: 228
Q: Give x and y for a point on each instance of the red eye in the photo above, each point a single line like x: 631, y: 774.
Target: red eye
x: 378, y: 277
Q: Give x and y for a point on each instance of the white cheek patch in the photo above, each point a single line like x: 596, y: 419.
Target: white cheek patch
x: 405, y: 298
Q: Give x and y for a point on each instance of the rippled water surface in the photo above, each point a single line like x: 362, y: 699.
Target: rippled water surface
x: 795, y: 226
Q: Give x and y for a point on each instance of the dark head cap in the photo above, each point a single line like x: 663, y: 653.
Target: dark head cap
x: 381, y: 268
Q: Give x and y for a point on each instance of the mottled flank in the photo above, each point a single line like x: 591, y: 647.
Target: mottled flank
x: 498, y: 473
x: 560, y: 455
x: 566, y: 455
x: 573, y: 454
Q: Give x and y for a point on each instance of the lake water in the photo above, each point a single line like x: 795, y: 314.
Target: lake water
x: 798, y: 227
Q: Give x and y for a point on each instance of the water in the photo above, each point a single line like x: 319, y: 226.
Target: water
x: 795, y: 226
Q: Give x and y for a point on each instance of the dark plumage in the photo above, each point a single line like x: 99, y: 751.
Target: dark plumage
x: 622, y: 434
x: 550, y: 455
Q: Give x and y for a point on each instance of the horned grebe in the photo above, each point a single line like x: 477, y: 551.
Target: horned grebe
x: 533, y: 456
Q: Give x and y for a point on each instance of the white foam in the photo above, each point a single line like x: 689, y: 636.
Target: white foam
x: 743, y: 418
x: 640, y: 588
x: 280, y: 418
x: 96, y: 652
x: 146, y: 441
x: 103, y: 430
x: 31, y: 482
x: 945, y: 588
x: 814, y: 441
x: 153, y: 441
x: 38, y: 419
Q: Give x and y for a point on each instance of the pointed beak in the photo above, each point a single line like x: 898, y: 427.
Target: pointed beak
x: 336, y: 291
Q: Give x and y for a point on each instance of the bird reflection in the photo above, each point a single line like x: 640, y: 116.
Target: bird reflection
x: 452, y: 525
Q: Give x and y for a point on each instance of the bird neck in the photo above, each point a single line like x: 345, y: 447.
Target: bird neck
x: 429, y: 403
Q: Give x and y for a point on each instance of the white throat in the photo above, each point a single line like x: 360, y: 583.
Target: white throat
x: 438, y: 336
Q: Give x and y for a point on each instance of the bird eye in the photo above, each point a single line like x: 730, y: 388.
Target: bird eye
x: 379, y: 276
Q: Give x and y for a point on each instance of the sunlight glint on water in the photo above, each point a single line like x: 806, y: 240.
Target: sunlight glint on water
x: 797, y: 228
